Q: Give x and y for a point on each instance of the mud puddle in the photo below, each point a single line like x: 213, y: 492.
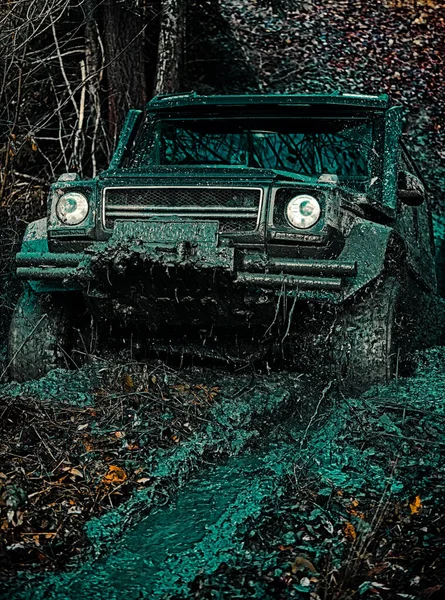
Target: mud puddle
x: 202, y: 528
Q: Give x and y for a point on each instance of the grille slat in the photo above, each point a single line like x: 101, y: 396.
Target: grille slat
x: 236, y: 209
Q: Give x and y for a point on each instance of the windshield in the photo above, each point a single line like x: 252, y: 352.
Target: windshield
x: 306, y: 147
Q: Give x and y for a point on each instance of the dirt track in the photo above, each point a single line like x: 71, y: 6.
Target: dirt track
x: 344, y: 498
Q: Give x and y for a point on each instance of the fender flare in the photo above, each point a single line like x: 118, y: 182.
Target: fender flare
x: 374, y: 247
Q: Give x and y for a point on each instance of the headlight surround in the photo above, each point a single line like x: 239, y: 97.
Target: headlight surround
x: 72, y: 208
x: 303, y: 211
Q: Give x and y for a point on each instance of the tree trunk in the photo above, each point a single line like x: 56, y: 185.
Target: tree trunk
x: 125, y: 69
x: 94, y: 64
x: 170, y: 47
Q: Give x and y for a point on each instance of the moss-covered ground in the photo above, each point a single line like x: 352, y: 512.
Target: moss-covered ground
x: 362, y: 512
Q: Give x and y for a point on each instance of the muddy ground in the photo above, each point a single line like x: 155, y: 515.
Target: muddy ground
x: 143, y: 480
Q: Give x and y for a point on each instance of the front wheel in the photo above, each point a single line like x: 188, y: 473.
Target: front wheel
x: 367, y: 345
x: 37, y: 336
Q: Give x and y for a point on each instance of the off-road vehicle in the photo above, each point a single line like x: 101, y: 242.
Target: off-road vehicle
x: 241, y: 227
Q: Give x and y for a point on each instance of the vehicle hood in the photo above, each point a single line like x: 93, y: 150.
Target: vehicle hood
x: 238, y: 175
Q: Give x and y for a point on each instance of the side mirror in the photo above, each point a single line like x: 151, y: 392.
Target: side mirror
x: 410, y: 189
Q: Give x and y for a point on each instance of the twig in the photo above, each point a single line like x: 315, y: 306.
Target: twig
x: 324, y: 393
x: 409, y: 439
x: 77, y: 159
x: 62, y: 69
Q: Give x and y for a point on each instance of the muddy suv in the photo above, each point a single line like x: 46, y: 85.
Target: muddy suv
x: 247, y: 228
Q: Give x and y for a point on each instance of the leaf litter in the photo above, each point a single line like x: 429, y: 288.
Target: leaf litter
x: 67, y: 457
x: 92, y: 466
x: 362, y: 513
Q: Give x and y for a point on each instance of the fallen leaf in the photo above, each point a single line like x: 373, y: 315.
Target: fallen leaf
x: 352, y: 510
x: 182, y: 388
x: 73, y: 471
x: 88, y: 445
x: 378, y: 569
x: 15, y: 518
x: 74, y: 510
x: 301, y: 562
x: 349, y: 531
x: 416, y: 505
x: 115, y: 475
x: 128, y: 382
x: 428, y: 592
x: 131, y: 447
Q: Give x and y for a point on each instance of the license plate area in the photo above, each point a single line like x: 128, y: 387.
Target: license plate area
x: 170, y: 231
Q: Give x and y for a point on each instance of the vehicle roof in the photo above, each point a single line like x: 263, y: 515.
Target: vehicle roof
x: 192, y: 99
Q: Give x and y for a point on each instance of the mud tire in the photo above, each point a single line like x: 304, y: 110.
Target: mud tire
x: 367, y: 345
x: 37, y: 336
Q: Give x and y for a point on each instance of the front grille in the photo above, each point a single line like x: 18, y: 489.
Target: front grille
x: 236, y: 209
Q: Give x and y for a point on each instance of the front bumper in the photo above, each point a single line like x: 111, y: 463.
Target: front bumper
x: 304, y: 274
x: 46, y: 266
x: 290, y: 273
x: 132, y: 250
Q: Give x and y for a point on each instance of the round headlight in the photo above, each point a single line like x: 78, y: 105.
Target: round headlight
x: 72, y: 208
x: 303, y: 211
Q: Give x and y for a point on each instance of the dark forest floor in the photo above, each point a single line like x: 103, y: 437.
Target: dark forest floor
x: 350, y: 503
